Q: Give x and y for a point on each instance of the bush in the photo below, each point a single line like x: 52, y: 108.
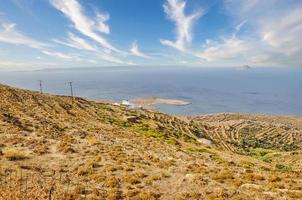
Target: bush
x: 13, y: 155
x: 283, y: 168
x: 265, y: 155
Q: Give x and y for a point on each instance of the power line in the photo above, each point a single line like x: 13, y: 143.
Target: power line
x: 71, y: 90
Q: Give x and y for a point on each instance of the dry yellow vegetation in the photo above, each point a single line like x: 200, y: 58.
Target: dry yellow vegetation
x: 54, y: 148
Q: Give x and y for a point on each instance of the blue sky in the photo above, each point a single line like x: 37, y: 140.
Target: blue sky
x: 37, y: 34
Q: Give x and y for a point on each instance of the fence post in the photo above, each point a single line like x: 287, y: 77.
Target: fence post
x: 50, y: 192
x: 60, y: 177
x: 85, y: 193
x: 10, y: 178
x: 20, y: 181
x: 26, y: 187
x: 67, y: 190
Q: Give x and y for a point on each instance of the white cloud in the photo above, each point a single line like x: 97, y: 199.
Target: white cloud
x: 57, y: 54
x: 81, y: 44
x: 238, y: 27
x: 113, y: 59
x: 284, y: 34
x: 76, y: 42
x: 250, y: 9
x: 101, y: 22
x: 94, y: 58
x: 11, y: 35
x: 135, y: 51
x: 175, y: 10
x: 227, y: 49
x: 91, y: 28
x: 275, y: 29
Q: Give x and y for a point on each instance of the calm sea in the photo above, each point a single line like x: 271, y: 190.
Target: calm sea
x: 210, y: 90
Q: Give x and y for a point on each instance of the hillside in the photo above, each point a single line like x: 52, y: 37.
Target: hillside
x: 242, y: 132
x: 53, y: 147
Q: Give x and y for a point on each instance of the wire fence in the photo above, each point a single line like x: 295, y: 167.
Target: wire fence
x: 19, y: 184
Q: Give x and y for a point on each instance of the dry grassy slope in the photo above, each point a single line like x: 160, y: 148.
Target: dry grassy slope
x: 116, y: 153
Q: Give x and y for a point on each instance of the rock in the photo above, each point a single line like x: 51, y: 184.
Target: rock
x: 189, y: 177
x: 133, y: 119
x: 205, y: 141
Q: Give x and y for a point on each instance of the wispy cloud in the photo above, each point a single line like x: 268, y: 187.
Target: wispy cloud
x: 57, y: 54
x: 278, y: 23
x: 73, y: 10
x: 9, y: 34
x: 175, y: 10
x: 76, y: 42
x: 101, y: 25
x: 238, y: 28
x: 112, y: 59
x: 228, y: 48
x: 79, y: 43
x: 91, y: 28
x: 275, y: 29
x: 284, y: 34
x: 135, y: 51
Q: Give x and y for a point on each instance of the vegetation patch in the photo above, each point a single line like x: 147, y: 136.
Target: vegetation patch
x: 283, y: 168
x: 265, y: 155
x: 199, y: 150
x: 249, y: 140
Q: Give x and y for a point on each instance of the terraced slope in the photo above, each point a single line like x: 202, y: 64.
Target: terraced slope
x: 240, y: 133
x: 80, y: 149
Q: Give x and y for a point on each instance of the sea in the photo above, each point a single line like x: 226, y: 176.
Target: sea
x: 262, y: 90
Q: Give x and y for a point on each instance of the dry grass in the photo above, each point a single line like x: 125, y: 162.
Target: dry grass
x: 14, y: 154
x: 88, y: 150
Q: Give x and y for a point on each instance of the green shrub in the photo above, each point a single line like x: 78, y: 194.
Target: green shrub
x: 283, y: 168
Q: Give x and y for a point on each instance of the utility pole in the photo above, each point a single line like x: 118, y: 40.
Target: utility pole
x: 71, y: 90
x: 40, y: 84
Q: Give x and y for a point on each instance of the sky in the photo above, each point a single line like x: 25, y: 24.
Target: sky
x: 38, y: 34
